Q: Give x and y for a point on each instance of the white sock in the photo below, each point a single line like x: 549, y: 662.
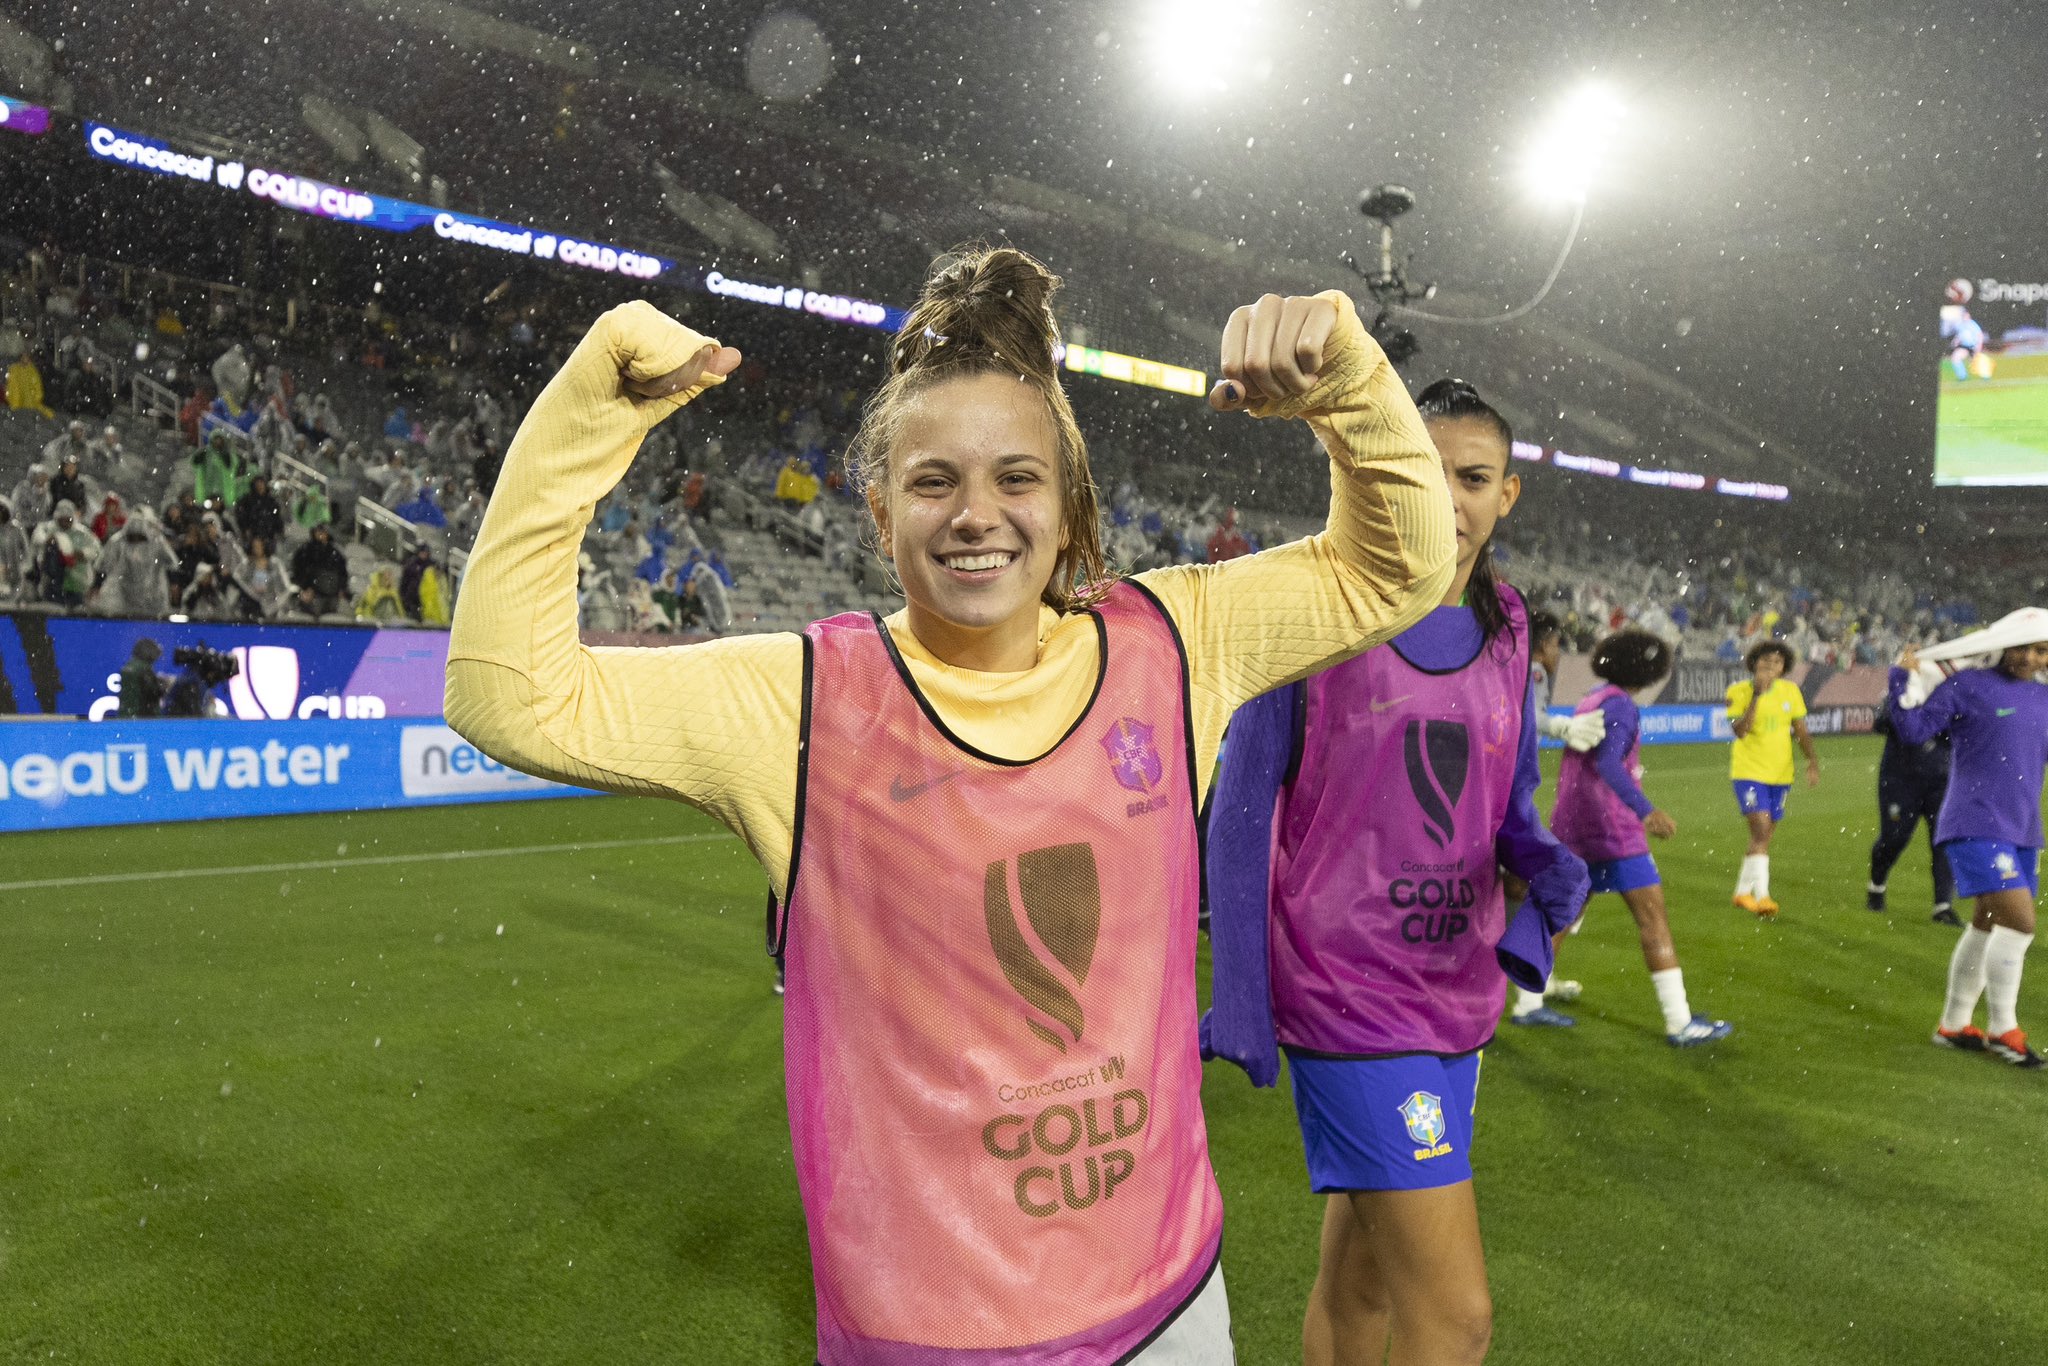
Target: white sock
x: 1877, y: 887
x: 2005, y: 954
x: 1756, y: 876
x: 1670, y: 984
x: 1763, y: 876
x: 1527, y: 1000
x: 1965, y: 978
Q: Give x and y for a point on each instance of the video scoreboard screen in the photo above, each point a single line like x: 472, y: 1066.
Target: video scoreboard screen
x: 1991, y: 418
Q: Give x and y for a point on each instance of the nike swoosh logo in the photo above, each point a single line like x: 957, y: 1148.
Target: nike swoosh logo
x: 2007, y: 711
x: 1379, y: 706
x: 900, y: 791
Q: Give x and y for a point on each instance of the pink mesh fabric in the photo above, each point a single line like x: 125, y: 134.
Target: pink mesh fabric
x: 994, y: 1086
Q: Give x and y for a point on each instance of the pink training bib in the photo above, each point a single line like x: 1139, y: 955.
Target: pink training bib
x: 1590, y: 818
x: 994, y: 1084
x: 1386, y: 886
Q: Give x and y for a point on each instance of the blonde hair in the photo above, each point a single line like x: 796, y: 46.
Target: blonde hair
x: 988, y: 311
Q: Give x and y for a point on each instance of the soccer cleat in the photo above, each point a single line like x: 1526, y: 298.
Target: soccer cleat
x: 1873, y: 898
x: 2012, y: 1047
x: 1698, y: 1030
x: 1563, y: 991
x: 1765, y: 908
x: 1543, y: 1017
x: 1968, y: 1039
x: 1944, y: 914
x: 1745, y: 902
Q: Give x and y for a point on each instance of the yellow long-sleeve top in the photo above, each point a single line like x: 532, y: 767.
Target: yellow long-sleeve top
x: 717, y: 724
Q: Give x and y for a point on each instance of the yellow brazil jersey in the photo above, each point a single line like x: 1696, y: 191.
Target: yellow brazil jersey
x: 1765, y: 754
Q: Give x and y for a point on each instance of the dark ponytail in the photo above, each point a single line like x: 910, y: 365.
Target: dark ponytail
x: 1455, y: 398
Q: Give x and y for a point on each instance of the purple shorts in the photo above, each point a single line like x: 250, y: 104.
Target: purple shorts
x: 1768, y: 798
x: 1386, y: 1124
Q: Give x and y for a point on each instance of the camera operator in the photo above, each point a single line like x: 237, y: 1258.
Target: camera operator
x: 142, y: 687
x: 204, y: 670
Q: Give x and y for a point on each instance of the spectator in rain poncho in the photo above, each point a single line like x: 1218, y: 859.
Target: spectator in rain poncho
x: 107, y: 453
x: 713, y: 601
x: 232, y: 374
x: 422, y: 509
x: 422, y: 588
x: 63, y: 550
x: 211, y: 596
x: 344, y: 490
x: 379, y: 601
x: 135, y: 570
x: 108, y: 521
x: 796, y: 485
x: 1226, y: 542
x: 317, y: 417
x: 225, y: 412
x: 71, y: 444
x: 615, y: 513
x: 14, y: 559
x: 31, y: 498
x: 233, y: 558
x: 213, y: 471
x: 597, y: 605
x: 642, y: 612
x: 398, y: 426
x: 310, y: 508
x: 389, y: 482
x: 466, y: 518
x: 25, y: 387
x: 263, y: 580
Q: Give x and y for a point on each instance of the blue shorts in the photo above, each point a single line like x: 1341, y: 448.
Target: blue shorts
x: 1386, y: 1124
x: 1624, y: 874
x: 1768, y: 798
x: 1984, y: 866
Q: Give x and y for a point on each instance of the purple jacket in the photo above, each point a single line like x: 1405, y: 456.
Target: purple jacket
x: 1998, y: 726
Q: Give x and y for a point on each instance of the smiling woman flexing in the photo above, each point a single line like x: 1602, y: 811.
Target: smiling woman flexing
x: 979, y: 813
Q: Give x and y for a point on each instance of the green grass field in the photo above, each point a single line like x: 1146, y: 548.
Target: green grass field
x: 335, y: 1113
x: 1995, y: 430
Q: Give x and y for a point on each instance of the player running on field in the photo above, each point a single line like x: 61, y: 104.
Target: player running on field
x: 1768, y: 712
x: 1356, y: 913
x: 1603, y: 816
x: 978, y: 813
x: 1990, y: 828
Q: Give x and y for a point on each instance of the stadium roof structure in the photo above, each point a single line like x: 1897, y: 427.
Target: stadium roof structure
x: 1741, y: 303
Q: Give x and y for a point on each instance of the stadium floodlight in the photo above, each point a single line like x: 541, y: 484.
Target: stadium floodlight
x: 1568, y: 155
x: 1192, y: 46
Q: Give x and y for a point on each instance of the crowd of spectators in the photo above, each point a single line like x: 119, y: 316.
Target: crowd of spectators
x: 281, y: 450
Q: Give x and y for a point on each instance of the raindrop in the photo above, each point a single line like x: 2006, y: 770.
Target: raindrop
x: 501, y: 929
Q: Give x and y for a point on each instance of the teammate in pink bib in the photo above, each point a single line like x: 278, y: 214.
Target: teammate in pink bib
x: 1355, y: 846
x: 1603, y: 816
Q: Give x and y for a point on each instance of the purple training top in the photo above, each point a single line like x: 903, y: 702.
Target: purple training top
x: 1600, y: 801
x: 1999, y: 728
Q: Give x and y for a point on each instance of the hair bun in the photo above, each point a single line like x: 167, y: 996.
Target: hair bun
x: 982, y: 303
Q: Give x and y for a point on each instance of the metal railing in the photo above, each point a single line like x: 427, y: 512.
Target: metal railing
x: 149, y: 399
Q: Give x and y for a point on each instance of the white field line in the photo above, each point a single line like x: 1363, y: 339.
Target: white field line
x: 343, y: 864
